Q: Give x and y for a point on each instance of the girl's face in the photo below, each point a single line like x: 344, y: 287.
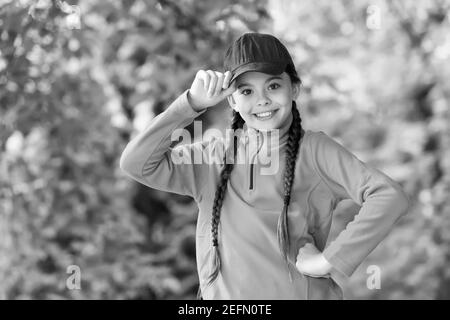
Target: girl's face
x: 263, y: 100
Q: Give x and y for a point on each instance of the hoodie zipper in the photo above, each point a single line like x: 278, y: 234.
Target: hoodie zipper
x: 252, y: 167
x: 251, y: 176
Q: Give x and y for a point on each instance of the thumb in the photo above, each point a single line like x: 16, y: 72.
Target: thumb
x: 228, y: 91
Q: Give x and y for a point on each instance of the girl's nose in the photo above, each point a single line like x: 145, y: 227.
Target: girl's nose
x: 263, y: 100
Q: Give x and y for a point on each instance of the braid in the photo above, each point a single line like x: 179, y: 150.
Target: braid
x: 293, y: 145
x: 236, y: 123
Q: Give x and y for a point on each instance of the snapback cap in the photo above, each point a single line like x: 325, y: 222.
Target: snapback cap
x: 257, y: 52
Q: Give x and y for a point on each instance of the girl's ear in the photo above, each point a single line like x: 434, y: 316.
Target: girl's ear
x: 295, y: 91
x: 232, y: 102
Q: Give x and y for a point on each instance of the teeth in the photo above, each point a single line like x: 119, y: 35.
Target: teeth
x: 264, y: 114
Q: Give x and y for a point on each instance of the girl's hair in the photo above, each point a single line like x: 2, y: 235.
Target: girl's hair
x: 293, y: 144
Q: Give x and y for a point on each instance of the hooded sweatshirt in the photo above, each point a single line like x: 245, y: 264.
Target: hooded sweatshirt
x: 251, y: 263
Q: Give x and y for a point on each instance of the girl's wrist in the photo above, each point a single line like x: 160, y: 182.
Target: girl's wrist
x: 193, y: 104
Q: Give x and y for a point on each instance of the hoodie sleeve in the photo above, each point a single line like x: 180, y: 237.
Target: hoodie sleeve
x: 382, y: 202
x: 149, y: 158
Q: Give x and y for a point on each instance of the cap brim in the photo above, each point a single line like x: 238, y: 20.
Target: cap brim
x: 265, y: 67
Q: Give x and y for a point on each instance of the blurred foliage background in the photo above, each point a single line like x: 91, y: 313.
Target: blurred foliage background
x: 79, y: 78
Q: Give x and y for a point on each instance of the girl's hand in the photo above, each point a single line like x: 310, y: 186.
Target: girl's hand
x: 311, y: 262
x: 209, y: 88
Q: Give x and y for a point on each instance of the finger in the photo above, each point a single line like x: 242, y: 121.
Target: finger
x: 220, y: 78
x: 205, y: 77
x: 229, y: 90
x: 226, y: 81
x: 212, y: 83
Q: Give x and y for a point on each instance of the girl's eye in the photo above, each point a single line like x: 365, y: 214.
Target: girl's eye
x: 274, y: 86
x: 244, y: 92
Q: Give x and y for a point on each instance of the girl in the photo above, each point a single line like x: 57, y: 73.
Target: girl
x: 262, y: 235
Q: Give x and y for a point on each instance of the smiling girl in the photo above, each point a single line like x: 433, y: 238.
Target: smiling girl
x: 263, y: 236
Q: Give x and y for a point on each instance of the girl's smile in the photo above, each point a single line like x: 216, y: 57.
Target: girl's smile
x: 265, y: 115
x: 263, y: 100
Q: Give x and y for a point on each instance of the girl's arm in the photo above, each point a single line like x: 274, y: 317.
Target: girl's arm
x: 382, y: 199
x: 149, y: 159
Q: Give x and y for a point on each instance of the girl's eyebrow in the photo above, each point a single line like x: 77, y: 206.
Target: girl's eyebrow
x: 247, y: 84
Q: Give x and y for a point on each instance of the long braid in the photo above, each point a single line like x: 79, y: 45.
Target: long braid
x: 293, y: 145
x: 236, y: 123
